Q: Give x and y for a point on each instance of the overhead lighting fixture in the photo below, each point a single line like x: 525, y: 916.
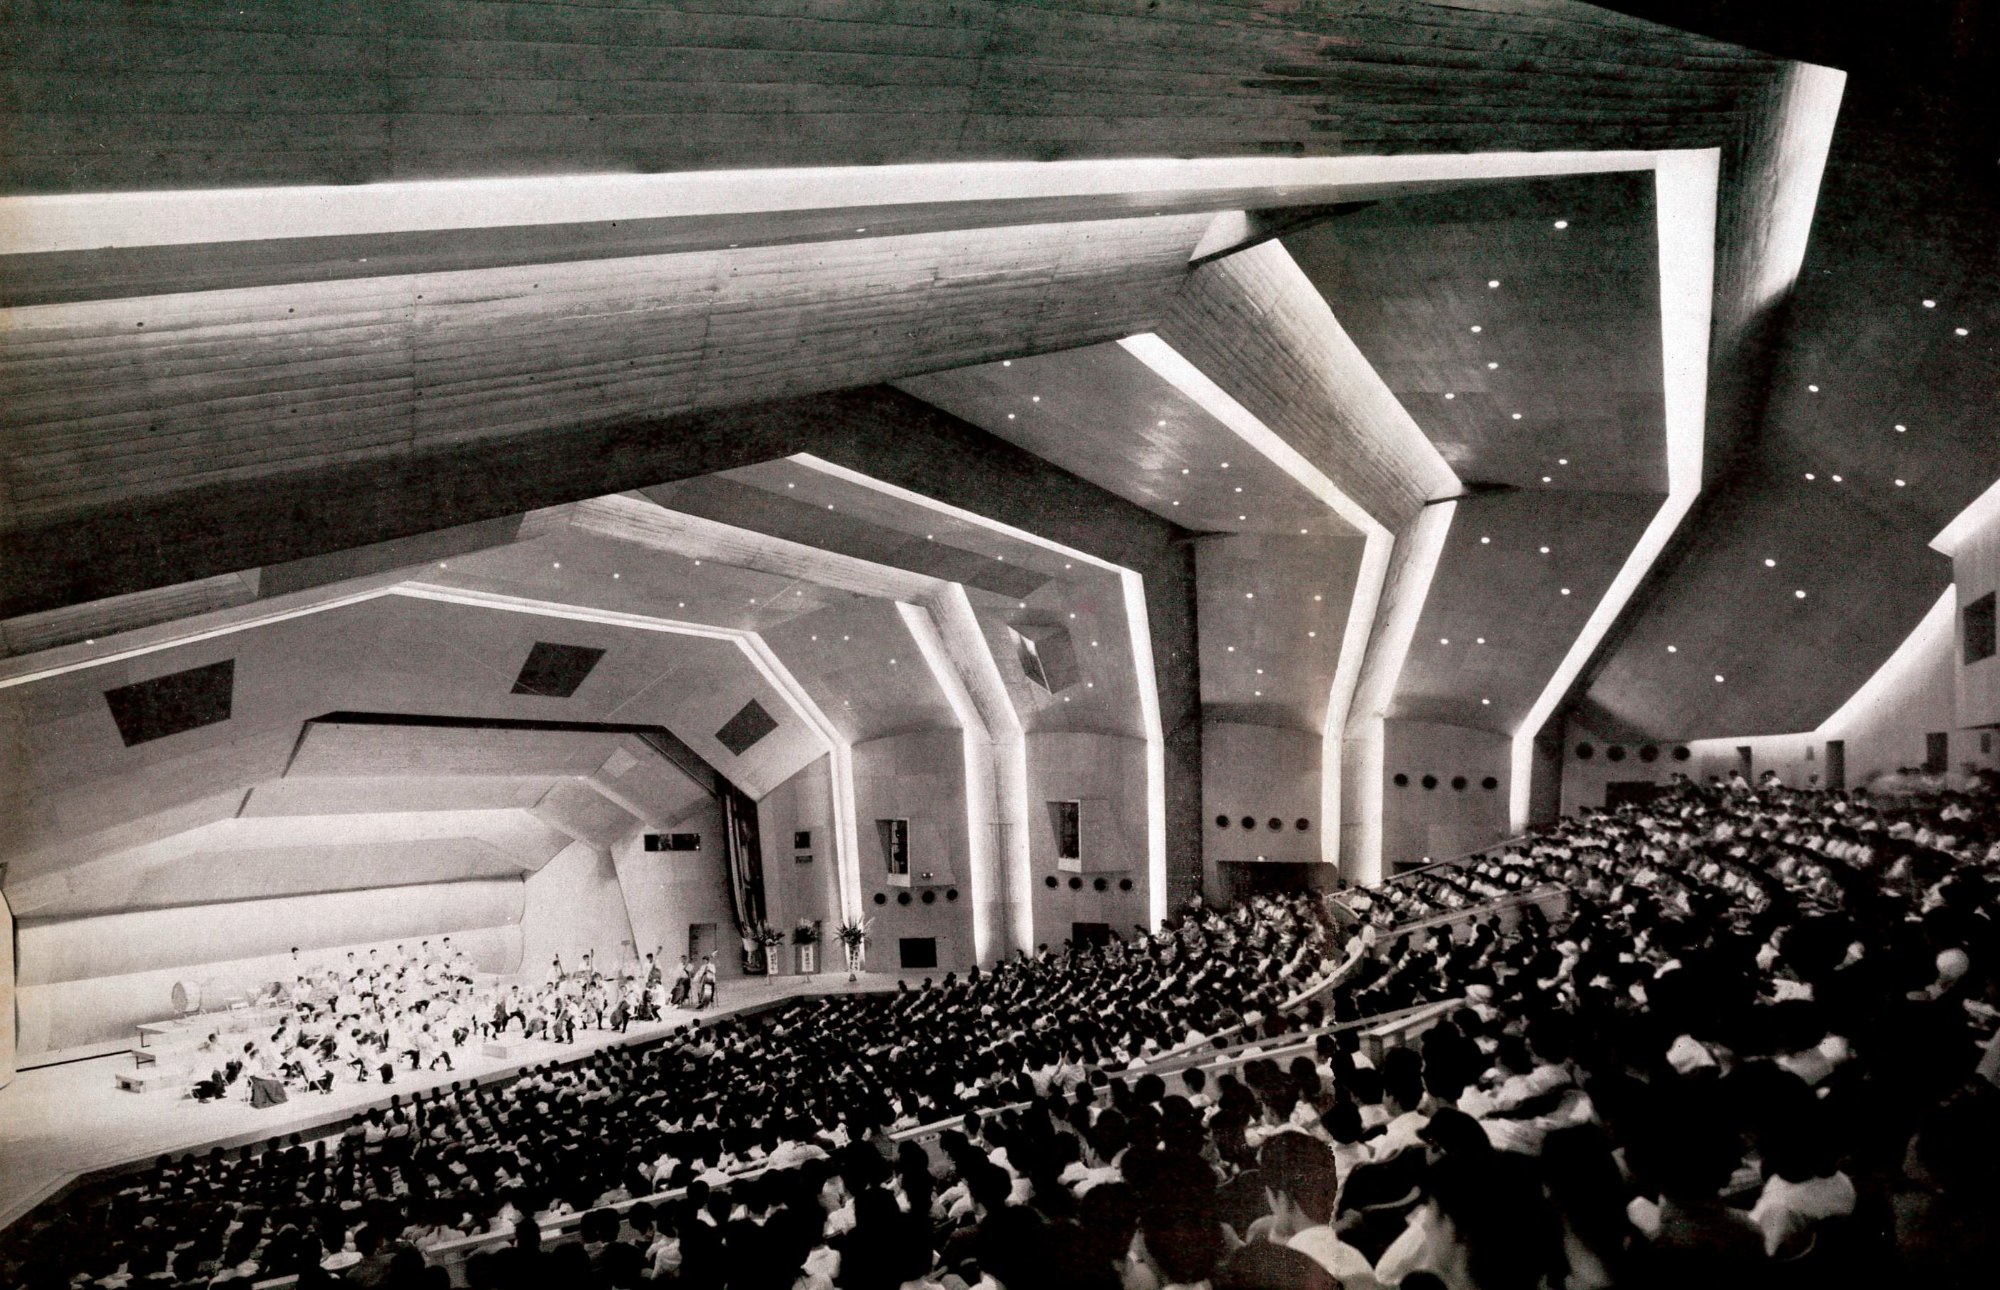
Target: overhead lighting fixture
x: 1225, y: 465
x: 1034, y: 398
x: 1486, y: 703
x: 1006, y: 362
x: 1249, y: 595
x: 1902, y: 429
x: 1517, y: 416
x: 1565, y: 591
x: 1900, y: 484
x: 1810, y: 476
x: 1930, y: 304
x: 1312, y: 635
x: 1230, y: 648
x: 1960, y: 331
x: 1718, y: 678
x: 1835, y: 478
x: 1451, y: 396
x: 1010, y: 416
x: 556, y: 565
x: 1318, y: 598
x: 1493, y: 284
x: 1562, y: 223
x: 1486, y: 541
x: 1493, y: 367
x: 1799, y: 594
x: 1673, y: 649
x: 1475, y: 327
x: 1479, y: 640
x: 1548, y: 479
x: 1770, y: 563
x: 1444, y: 640
x: 1813, y: 389
x: 1545, y: 550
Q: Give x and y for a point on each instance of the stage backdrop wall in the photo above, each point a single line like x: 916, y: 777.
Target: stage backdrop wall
x: 801, y: 881
x: 667, y: 892
x: 572, y: 904
x: 918, y: 776
x: 90, y: 980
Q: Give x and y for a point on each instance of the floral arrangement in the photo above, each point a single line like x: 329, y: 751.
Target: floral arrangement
x: 806, y: 933
x: 770, y: 936
x: 852, y: 935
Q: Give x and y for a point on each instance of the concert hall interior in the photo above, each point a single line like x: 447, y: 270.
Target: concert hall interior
x: 905, y: 644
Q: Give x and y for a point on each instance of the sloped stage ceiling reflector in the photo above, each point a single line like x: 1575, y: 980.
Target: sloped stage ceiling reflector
x: 555, y: 671
x: 174, y: 703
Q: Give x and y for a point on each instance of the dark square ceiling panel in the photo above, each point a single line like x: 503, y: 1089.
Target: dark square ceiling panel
x: 554, y: 671
x: 749, y: 725
x: 171, y: 704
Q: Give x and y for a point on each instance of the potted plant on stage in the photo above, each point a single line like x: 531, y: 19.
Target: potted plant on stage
x: 771, y: 938
x: 854, y: 941
x: 805, y: 946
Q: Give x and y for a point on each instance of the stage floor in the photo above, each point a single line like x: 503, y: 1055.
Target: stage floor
x: 60, y: 1121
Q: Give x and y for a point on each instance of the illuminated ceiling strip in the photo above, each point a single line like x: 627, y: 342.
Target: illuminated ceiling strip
x: 1174, y: 368
x: 1138, y: 630
x: 977, y: 746
x: 97, y: 221
x: 1419, y: 550
x: 761, y: 657
x: 1686, y: 188
x: 1935, y: 632
x: 176, y: 641
x: 1984, y: 513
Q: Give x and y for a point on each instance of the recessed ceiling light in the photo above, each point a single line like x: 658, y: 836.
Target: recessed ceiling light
x: 1930, y: 304
x: 1065, y: 698
x: 441, y: 564
x: 1161, y: 424
x: 91, y: 641
x: 1184, y: 470
x: 615, y: 577
x: 1444, y: 640
x: 1486, y: 703
x: 1565, y: 591
x: 1770, y: 563
x: 1225, y: 465
x: 1718, y: 678
x: 1312, y: 635
x: 1960, y: 331
x: 815, y: 637
x: 1834, y: 478
x: 1230, y: 648
x: 1548, y: 479
x: 683, y: 604
x: 861, y: 230
x: 1090, y: 685
x: 1093, y: 644
x: 1177, y: 503
x: 1451, y: 396
x: 930, y: 537
x: 556, y: 565
x: 1239, y: 488
x: 1673, y: 649
x: 1006, y: 362
x: 1249, y: 595
x: 1517, y: 416
x: 1813, y: 388
x: 1260, y: 671
x: 1902, y: 429
x: 1493, y: 284
x: 1034, y: 398
x: 1243, y: 517
x: 1010, y: 416
x: 1479, y: 640
x: 1072, y: 615
x: 1492, y: 367
x: 1486, y: 541
x: 1562, y: 461
x: 847, y: 638
x: 1545, y: 550
x: 892, y: 662
x: 753, y: 600
x: 1810, y: 476
x: 1800, y: 594
x: 1562, y: 223
x: 1302, y: 533
x: 1257, y: 694
x: 1319, y: 597
x: 1475, y: 326
x: 1901, y: 484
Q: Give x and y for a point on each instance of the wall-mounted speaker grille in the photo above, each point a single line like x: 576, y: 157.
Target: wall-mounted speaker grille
x: 673, y: 842
x: 554, y: 671
x: 174, y: 703
x: 750, y: 724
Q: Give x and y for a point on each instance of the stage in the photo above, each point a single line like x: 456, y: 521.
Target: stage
x: 57, y: 1122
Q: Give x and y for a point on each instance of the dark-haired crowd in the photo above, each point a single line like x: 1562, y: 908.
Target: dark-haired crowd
x: 1757, y: 1049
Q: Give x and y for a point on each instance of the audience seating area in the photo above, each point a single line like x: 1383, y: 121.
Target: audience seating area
x: 1753, y: 1045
